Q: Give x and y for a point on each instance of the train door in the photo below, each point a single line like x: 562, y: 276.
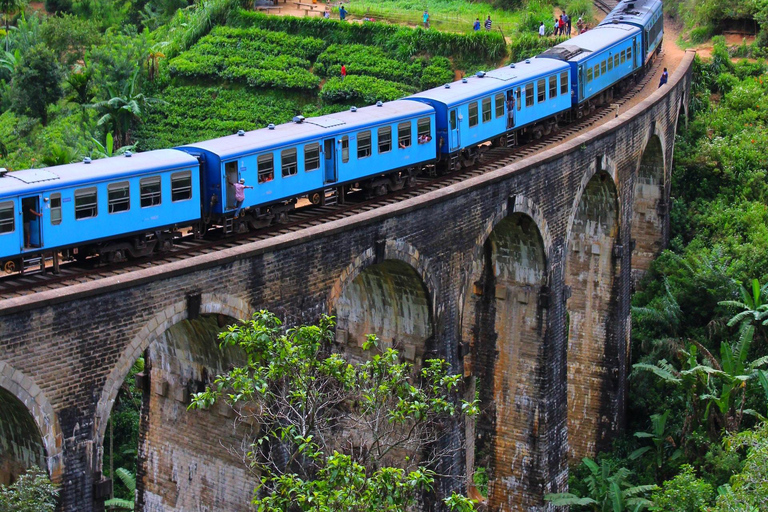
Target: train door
x: 454, y: 129
x: 582, y: 79
x: 230, y: 174
x: 32, y: 219
x: 634, y: 53
x: 330, y: 160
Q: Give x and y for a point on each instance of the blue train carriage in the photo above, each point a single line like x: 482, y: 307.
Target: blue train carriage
x: 648, y: 16
x: 378, y: 148
x: 600, y: 59
x: 525, y: 98
x: 115, y: 207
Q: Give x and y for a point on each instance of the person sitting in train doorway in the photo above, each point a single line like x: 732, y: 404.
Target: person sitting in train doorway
x: 239, y: 195
x: 29, y: 216
x: 664, y: 77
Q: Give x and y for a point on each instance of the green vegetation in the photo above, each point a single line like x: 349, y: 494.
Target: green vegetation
x: 303, y: 399
x: 32, y: 492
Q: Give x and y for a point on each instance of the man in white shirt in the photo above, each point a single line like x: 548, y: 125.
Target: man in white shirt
x: 542, y: 29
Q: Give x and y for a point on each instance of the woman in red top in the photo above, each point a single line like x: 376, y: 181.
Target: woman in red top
x: 343, y: 71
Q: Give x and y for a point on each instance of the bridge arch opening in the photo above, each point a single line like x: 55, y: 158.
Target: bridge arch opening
x: 504, y: 322
x: 647, y: 209
x: 388, y: 299
x: 21, y: 444
x: 591, y: 278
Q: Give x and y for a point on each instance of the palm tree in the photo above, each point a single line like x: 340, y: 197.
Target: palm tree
x: 121, y: 109
x: 9, y: 8
x: 79, y: 84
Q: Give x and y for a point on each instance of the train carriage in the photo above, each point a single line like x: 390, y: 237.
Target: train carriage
x: 647, y: 15
x: 117, y: 206
x: 489, y: 106
x: 307, y: 156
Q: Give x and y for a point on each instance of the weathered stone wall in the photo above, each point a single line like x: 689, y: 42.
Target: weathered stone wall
x: 487, y: 264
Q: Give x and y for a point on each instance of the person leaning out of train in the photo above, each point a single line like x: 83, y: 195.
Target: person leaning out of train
x: 239, y: 195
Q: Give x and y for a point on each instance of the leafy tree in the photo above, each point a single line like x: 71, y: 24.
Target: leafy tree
x: 32, y: 492
x: 80, y: 91
x: 328, y: 434
x: 9, y: 8
x: 69, y: 36
x: 609, y: 490
x: 36, y: 83
x: 748, y: 490
x: 683, y: 493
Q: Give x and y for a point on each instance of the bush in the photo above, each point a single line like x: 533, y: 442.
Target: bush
x: 32, y: 492
x: 683, y: 493
x: 438, y: 72
x: 365, y: 89
x: 526, y: 46
x: 366, y: 60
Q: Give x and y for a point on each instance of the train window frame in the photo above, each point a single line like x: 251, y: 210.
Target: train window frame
x: 487, y: 112
x: 610, y: 62
x: 589, y: 74
x: 518, y: 99
x: 364, y: 144
x: 596, y: 71
x: 629, y: 54
x: 286, y: 166
x: 118, y: 203
x: 564, y: 82
x: 265, y: 168
x: 345, y: 149
x: 553, y: 86
x: 146, y: 183
x: 384, y: 142
x: 404, y: 135
x: 616, y: 60
x: 7, y: 220
x: 474, y: 118
x: 452, y: 119
x: 499, y: 98
x: 308, y: 149
x: 529, y: 94
x: 176, y: 188
x: 602, y: 68
x: 423, y: 130
x: 55, y: 206
x: 541, y: 90
x: 82, y: 209
x: 623, y: 56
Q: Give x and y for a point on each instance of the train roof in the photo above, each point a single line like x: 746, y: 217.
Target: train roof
x: 581, y: 47
x: 638, y: 12
x: 476, y: 86
x: 103, y: 169
x: 237, y: 145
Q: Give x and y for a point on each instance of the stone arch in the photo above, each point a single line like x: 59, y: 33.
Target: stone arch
x: 591, y: 279
x: 386, y: 296
x: 233, y: 307
x: 503, y: 325
x: 28, y: 414
x: 648, y: 227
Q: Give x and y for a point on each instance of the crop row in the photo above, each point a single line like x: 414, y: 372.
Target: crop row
x: 363, y: 89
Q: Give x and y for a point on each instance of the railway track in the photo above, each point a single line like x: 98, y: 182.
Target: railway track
x: 305, y: 217
x: 605, y: 5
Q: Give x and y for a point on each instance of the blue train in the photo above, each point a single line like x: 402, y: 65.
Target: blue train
x: 134, y: 205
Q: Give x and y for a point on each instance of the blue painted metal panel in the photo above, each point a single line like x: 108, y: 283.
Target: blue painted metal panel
x: 644, y: 14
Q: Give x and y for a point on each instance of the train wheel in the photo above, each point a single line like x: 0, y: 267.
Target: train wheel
x: 315, y: 198
x: 9, y: 267
x: 381, y: 190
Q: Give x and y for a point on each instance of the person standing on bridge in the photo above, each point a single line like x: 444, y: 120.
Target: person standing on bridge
x: 664, y: 77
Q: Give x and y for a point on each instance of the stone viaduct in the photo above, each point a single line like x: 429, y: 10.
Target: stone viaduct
x: 521, y: 278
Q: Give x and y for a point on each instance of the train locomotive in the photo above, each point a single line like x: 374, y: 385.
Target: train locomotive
x: 133, y: 205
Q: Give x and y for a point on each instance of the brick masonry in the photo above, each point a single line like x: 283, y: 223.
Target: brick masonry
x: 521, y: 278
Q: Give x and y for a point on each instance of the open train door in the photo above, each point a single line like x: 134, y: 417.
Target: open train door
x: 330, y: 160
x: 453, y: 135
x: 32, y: 219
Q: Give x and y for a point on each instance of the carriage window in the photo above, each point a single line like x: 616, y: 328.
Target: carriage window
x: 424, y: 130
x: 181, y: 186
x: 553, y: 86
x: 487, y: 110
x: 564, y: 83
x: 473, y: 114
x: 311, y: 157
x: 265, y: 168
x: 150, y: 191
x: 364, y: 144
x: 6, y: 217
x: 596, y: 71
x: 404, y: 135
x: 541, y: 89
x: 119, y: 197
x: 500, y: 105
x: 289, y: 163
x: 616, y: 60
x: 85, y: 203
x: 623, y: 56
x: 385, y: 139
x: 453, y: 119
x: 517, y: 99
x: 529, y: 95
x: 602, y: 68
x: 345, y: 149
x: 629, y: 54
x: 589, y: 74
x: 610, y: 63
x: 56, y: 209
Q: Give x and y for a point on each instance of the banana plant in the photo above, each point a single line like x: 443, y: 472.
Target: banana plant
x: 129, y: 480
x: 660, y: 440
x: 107, y: 150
